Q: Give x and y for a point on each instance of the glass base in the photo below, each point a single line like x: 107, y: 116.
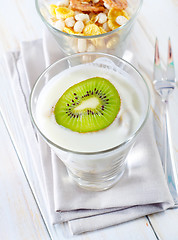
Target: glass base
x: 97, y: 182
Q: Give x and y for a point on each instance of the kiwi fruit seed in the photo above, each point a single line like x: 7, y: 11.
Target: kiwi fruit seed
x: 88, y: 106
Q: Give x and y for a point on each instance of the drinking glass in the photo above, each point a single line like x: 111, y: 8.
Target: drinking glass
x: 113, y: 42
x: 93, y: 170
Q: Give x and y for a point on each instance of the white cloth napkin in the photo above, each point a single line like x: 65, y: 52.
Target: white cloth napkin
x: 142, y: 190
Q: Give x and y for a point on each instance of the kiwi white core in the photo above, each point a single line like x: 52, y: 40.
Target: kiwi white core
x: 90, y: 103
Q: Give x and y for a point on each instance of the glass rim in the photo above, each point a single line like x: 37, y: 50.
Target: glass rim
x: 89, y: 37
x: 135, y: 133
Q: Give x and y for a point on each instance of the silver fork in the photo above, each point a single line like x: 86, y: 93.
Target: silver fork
x: 164, y: 87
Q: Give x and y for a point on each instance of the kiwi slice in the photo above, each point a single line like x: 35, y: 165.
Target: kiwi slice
x: 88, y: 106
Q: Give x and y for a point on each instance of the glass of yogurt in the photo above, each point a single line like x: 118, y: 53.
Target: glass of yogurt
x: 94, y: 160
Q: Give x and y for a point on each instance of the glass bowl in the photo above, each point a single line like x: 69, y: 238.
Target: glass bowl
x: 94, y: 170
x: 113, y: 42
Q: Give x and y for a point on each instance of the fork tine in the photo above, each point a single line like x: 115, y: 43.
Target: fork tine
x: 170, y: 57
x: 157, y: 66
x: 170, y: 64
x: 157, y: 58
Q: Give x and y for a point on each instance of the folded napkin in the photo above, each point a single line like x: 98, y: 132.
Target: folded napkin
x: 142, y: 190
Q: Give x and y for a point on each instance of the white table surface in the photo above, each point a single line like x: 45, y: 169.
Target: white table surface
x: 22, y: 215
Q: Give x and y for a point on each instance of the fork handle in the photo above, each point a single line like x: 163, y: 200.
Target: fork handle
x: 169, y: 165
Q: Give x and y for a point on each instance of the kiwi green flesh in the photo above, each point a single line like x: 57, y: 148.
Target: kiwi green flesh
x: 69, y: 114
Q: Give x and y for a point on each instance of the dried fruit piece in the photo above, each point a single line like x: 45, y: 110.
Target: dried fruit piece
x: 87, y: 6
x: 64, y: 12
x: 91, y: 29
x: 119, y: 4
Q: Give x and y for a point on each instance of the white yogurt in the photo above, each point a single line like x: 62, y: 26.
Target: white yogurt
x: 126, y: 123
